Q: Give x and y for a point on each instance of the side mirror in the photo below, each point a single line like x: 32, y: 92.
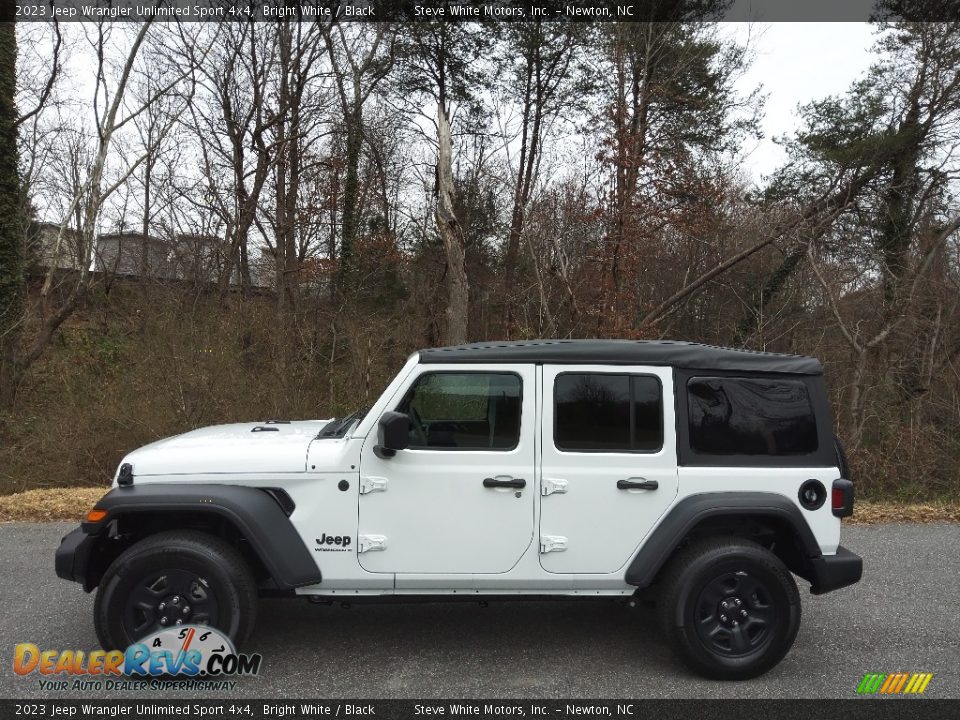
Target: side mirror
x: 393, y: 434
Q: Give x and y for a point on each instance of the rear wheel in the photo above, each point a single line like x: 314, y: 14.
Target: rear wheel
x: 730, y: 608
x: 175, y: 578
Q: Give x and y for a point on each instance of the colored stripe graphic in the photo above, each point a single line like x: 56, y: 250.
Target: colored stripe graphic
x: 901, y: 682
x: 888, y: 683
x: 894, y: 683
x: 871, y: 683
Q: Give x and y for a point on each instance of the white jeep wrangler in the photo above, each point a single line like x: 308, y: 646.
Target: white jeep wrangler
x: 702, y: 476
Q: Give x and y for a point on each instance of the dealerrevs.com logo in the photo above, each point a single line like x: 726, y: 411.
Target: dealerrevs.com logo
x: 185, y: 652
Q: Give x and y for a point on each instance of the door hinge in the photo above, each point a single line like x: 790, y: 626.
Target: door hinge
x: 548, y: 486
x: 373, y: 484
x: 369, y: 543
x: 552, y: 543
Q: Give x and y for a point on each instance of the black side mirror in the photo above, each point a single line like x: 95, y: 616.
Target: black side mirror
x: 393, y: 434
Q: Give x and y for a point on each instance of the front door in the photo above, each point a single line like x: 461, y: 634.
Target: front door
x: 609, y: 463
x: 460, y: 498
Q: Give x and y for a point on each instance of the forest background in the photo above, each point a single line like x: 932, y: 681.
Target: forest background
x: 327, y: 198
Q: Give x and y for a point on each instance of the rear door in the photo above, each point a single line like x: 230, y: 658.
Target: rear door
x: 460, y: 498
x: 609, y: 463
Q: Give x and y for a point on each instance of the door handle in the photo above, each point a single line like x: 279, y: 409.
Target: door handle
x: 637, y: 484
x: 511, y: 483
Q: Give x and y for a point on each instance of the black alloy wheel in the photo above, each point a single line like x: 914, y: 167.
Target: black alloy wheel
x: 735, y: 614
x: 169, y: 598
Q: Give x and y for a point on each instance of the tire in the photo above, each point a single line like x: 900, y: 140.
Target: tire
x: 199, y: 577
x: 751, y: 580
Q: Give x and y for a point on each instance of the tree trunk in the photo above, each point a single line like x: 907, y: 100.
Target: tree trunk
x: 351, y: 183
x: 11, y: 218
x: 634, y: 89
x: 898, y: 217
x: 520, y: 197
x: 458, y: 289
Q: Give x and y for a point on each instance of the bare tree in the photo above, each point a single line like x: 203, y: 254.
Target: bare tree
x: 863, y: 344
x: 451, y: 233
x: 233, y: 120
x: 361, y: 58
x: 442, y: 65
x: 112, y: 112
x: 546, y: 83
x: 299, y: 51
x: 672, y: 113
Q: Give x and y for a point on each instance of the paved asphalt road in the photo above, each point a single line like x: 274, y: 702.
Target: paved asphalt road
x: 903, y: 616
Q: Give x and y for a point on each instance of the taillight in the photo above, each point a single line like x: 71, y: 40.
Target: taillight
x: 841, y: 498
x: 838, y: 498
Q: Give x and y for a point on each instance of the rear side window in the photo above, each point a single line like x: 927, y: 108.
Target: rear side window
x: 597, y: 412
x: 740, y: 416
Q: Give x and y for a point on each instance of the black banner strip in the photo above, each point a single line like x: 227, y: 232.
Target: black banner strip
x: 857, y: 709
x: 483, y: 10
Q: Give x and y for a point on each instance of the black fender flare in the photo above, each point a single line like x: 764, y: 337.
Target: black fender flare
x: 692, y: 510
x: 254, y: 512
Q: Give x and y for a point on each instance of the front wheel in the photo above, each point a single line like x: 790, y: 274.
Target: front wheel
x: 175, y: 578
x: 730, y: 607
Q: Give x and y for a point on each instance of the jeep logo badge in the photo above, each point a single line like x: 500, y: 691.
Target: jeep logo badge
x: 339, y: 542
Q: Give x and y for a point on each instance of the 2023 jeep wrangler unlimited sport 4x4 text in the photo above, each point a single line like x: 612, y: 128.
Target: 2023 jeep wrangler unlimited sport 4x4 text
x: 703, y: 477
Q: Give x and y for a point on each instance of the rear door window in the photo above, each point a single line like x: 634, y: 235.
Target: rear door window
x: 599, y: 412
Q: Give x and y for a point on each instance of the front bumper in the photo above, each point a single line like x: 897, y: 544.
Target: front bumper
x: 832, y: 572
x: 73, y: 557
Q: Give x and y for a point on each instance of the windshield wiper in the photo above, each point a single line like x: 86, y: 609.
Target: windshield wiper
x: 338, y: 428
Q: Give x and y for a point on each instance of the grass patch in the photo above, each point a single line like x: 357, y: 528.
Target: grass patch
x: 874, y: 513
x: 73, y: 503
x: 49, y: 504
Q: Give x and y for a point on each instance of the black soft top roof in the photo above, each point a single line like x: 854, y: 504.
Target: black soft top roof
x: 671, y: 353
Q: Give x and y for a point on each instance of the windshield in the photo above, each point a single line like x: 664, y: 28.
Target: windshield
x: 338, y: 428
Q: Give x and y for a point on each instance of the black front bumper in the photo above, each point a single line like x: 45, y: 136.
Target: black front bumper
x: 73, y: 557
x: 832, y: 572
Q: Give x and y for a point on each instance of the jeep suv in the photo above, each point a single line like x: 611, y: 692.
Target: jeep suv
x: 703, y: 478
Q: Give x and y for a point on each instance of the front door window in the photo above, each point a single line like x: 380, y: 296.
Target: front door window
x: 464, y: 411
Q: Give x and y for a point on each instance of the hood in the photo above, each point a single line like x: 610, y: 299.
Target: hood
x: 275, y: 447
